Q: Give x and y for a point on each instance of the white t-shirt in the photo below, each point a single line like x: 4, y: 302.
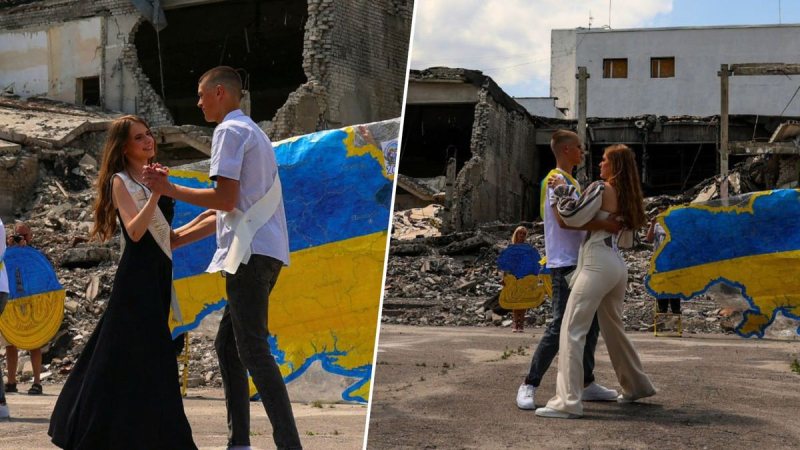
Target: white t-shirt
x: 241, y: 151
x: 3, y: 272
x: 560, y: 246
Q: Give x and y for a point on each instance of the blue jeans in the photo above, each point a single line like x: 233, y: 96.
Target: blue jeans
x: 548, y: 346
x: 3, y: 301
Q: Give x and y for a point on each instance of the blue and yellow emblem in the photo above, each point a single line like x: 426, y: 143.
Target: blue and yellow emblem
x: 35, y: 307
x: 524, y: 281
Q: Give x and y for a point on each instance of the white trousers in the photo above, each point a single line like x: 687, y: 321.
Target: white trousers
x: 599, y: 288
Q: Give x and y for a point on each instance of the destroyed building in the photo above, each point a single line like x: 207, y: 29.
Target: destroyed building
x: 308, y: 65
x: 461, y: 129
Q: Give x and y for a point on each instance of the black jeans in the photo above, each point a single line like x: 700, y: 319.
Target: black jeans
x: 548, y: 346
x: 674, y: 303
x: 242, y: 347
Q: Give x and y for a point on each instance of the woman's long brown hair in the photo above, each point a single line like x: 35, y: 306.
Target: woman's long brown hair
x: 625, y: 179
x: 105, y: 219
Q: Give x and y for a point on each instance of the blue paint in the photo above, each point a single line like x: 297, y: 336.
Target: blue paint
x: 208, y: 309
x: 766, y: 230
x: 29, y: 273
x: 520, y: 260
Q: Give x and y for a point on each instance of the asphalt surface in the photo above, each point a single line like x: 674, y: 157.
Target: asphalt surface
x: 455, y: 387
x: 336, y: 426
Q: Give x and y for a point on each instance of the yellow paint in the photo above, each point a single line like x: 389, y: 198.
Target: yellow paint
x: 375, y: 152
x: 770, y: 280
x: 328, y: 298
x: 191, y: 174
x: 521, y: 294
x: 30, y: 322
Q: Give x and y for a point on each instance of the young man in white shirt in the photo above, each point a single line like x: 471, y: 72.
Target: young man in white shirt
x: 562, y: 244
x: 245, y: 169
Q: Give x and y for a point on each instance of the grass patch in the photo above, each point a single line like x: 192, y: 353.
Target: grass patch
x: 795, y: 366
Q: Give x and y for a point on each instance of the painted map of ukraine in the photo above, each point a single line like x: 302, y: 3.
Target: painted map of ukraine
x: 753, y: 245
x: 324, y: 308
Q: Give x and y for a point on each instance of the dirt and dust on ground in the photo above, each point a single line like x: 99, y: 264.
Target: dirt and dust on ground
x: 321, y: 426
x: 455, y: 388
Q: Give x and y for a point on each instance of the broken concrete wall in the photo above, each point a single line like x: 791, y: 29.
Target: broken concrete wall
x: 355, y: 58
x: 149, y: 104
x: 499, y: 182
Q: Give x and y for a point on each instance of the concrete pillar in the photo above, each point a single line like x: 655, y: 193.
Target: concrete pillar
x: 585, y: 169
x: 244, y: 103
x: 450, y: 181
x: 723, y: 74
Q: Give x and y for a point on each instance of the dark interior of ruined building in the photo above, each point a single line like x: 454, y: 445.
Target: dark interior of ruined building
x: 431, y: 135
x: 262, y: 37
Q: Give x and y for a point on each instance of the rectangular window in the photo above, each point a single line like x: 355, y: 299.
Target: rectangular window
x: 88, y: 91
x: 615, y: 68
x: 662, y: 67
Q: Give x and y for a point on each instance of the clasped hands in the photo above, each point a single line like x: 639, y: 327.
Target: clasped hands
x: 611, y: 224
x: 156, y: 177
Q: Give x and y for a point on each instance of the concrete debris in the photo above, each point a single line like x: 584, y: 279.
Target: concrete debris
x: 417, y: 223
x: 428, y: 285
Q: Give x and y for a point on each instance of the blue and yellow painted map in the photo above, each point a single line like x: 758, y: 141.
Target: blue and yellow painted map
x: 324, y: 308
x: 750, y: 242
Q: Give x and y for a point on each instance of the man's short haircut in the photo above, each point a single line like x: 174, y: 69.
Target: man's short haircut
x: 560, y: 138
x: 225, y: 76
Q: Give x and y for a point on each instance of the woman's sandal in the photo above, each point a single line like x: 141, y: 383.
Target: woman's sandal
x: 11, y: 387
x: 36, y: 389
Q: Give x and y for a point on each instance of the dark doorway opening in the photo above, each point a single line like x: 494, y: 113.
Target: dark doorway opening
x: 89, y: 91
x: 262, y: 37
x: 432, y: 134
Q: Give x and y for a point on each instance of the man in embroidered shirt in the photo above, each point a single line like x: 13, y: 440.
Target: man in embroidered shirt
x: 562, y: 244
x: 244, y: 167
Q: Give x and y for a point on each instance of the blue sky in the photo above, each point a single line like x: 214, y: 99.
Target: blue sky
x: 510, y: 39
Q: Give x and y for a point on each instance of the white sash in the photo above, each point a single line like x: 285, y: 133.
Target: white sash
x: 158, y: 227
x: 246, y: 224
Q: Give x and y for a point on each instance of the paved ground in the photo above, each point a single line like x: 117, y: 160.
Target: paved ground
x: 338, y: 426
x: 455, y: 388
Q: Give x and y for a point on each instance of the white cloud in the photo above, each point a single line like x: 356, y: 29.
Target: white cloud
x: 510, y: 39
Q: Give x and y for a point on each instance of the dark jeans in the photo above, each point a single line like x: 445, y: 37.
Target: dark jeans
x: 242, y: 346
x: 674, y: 303
x: 548, y: 346
x: 3, y: 301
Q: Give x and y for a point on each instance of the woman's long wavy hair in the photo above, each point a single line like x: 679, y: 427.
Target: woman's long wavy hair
x: 625, y: 179
x: 105, y: 219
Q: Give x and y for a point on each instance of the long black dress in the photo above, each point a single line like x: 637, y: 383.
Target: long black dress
x: 123, y: 392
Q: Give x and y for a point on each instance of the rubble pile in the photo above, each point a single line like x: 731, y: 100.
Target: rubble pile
x: 450, y: 280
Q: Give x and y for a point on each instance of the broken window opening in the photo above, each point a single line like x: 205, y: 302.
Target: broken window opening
x: 662, y: 67
x: 615, y: 68
x: 88, y: 91
x: 263, y: 37
x: 432, y: 134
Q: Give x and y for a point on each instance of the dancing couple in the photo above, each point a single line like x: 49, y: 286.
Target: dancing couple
x: 123, y: 392
x: 582, y: 231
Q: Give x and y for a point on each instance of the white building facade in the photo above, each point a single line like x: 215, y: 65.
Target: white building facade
x: 673, y: 71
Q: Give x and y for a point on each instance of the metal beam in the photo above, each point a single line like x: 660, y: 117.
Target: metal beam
x: 754, y: 69
x: 762, y: 148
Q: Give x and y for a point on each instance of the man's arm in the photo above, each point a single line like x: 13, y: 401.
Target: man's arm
x: 222, y: 197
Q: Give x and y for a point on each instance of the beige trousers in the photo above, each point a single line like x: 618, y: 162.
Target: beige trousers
x: 600, y: 288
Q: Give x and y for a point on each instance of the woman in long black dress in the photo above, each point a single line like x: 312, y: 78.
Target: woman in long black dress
x: 123, y: 392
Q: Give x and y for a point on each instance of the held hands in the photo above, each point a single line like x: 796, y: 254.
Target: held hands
x: 556, y: 181
x: 155, y: 177
x: 612, y: 225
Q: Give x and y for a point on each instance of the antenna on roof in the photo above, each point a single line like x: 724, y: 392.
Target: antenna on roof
x: 779, y: 12
x: 591, y: 18
x: 609, y: 13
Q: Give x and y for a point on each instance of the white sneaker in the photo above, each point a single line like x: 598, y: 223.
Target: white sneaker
x: 555, y: 414
x: 4, y: 413
x: 594, y: 393
x: 525, y: 396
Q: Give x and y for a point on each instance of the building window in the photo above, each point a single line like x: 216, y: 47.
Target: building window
x: 662, y: 67
x: 615, y: 68
x: 88, y: 91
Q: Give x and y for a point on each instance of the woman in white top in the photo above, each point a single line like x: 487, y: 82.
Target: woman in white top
x: 599, y: 282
